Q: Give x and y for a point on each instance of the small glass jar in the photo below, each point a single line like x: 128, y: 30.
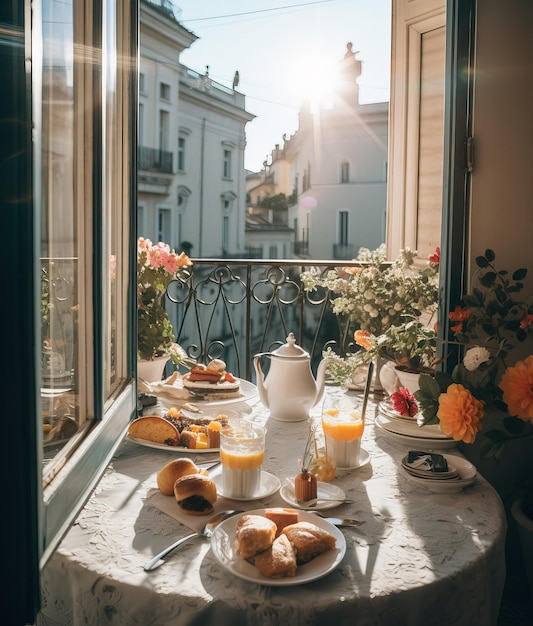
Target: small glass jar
x: 305, y: 486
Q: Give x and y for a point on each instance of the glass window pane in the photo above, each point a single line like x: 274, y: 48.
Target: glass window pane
x: 59, y: 244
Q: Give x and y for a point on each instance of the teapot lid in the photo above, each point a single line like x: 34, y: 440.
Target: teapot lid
x: 290, y: 349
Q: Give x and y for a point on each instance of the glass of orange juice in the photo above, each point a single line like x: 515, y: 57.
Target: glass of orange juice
x: 343, y: 429
x: 242, y: 450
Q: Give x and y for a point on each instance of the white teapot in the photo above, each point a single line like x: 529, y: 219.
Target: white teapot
x: 290, y: 390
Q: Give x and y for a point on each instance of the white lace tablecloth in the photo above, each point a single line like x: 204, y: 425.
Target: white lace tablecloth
x: 418, y: 558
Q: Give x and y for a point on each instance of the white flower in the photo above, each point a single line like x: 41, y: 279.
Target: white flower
x: 475, y: 357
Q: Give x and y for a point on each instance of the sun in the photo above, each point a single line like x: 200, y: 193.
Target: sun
x: 314, y: 78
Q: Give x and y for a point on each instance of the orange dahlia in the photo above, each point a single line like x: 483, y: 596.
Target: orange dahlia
x: 362, y: 339
x: 517, y: 386
x: 460, y: 413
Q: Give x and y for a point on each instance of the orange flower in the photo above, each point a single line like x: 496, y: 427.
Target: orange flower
x: 460, y: 314
x: 457, y: 328
x: 350, y: 270
x: 517, y: 386
x: 527, y: 321
x: 362, y: 339
x: 460, y: 413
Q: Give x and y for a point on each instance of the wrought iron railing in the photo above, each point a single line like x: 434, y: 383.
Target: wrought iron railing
x: 154, y: 160
x: 233, y: 309
x: 223, y: 308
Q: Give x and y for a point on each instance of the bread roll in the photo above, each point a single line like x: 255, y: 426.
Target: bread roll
x: 170, y: 473
x: 195, y: 494
x: 156, y: 429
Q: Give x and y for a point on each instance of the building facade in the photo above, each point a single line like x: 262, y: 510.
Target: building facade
x: 191, y: 187
x: 333, y: 170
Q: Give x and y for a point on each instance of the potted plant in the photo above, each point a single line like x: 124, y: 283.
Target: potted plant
x: 378, y: 297
x: 157, y: 266
x: 486, y: 393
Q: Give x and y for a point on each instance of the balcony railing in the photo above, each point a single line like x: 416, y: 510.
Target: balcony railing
x: 234, y: 309
x: 343, y: 251
x: 153, y: 160
x: 226, y: 308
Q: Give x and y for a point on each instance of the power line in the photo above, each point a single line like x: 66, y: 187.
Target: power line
x: 289, y: 6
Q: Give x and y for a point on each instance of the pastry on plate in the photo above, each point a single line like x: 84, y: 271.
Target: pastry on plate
x: 254, y: 534
x: 308, y: 540
x: 279, y: 561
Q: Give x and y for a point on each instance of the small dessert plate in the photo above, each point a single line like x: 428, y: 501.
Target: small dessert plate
x: 333, y: 496
x: 269, y: 485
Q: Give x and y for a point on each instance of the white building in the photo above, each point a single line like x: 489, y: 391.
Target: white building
x: 191, y: 184
x: 334, y: 167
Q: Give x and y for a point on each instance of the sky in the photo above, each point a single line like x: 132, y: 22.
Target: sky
x: 285, y: 52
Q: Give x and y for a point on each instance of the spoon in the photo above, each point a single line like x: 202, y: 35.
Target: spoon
x: 338, y: 521
x: 314, y: 501
x: 206, y: 531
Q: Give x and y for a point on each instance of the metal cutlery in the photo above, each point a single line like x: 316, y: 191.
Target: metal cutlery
x: 338, y: 521
x: 206, y: 531
x: 315, y: 501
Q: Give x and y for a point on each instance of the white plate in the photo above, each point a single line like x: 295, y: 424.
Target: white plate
x: 411, y: 428
x: 386, y: 408
x: 466, y: 470
x: 269, y: 485
x: 364, y: 458
x: 431, y: 443
x: 324, y: 490
x: 222, y: 547
x: 248, y: 390
x: 178, y: 449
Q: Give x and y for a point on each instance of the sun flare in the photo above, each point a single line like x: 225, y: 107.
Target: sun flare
x: 314, y: 78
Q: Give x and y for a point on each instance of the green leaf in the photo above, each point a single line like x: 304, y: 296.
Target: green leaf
x: 481, y: 261
x: 487, y: 279
x: 429, y: 386
x: 489, y: 255
x: 514, y: 425
x: 520, y: 274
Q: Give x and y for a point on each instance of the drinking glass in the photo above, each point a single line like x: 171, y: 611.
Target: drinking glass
x: 343, y: 428
x: 242, y: 450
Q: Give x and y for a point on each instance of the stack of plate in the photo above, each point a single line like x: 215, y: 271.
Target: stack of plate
x: 458, y: 474
x: 426, y: 465
x: 406, y: 430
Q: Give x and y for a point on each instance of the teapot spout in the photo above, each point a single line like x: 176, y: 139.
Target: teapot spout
x: 321, y: 378
x: 260, y: 380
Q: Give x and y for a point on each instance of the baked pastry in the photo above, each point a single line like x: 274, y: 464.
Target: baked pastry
x: 195, y: 494
x: 282, y: 517
x: 254, y: 534
x: 155, y: 428
x: 173, y: 470
x: 308, y: 540
x: 279, y: 561
x: 211, y: 382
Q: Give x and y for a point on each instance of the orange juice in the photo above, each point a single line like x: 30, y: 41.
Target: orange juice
x: 241, y: 461
x: 242, y: 450
x: 343, y: 428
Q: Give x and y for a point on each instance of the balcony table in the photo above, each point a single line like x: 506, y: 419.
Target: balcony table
x: 418, y: 558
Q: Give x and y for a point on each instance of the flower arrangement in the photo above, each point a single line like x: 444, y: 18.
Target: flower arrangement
x: 378, y: 294
x: 489, y: 324
x: 157, y: 265
x: 410, y: 345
